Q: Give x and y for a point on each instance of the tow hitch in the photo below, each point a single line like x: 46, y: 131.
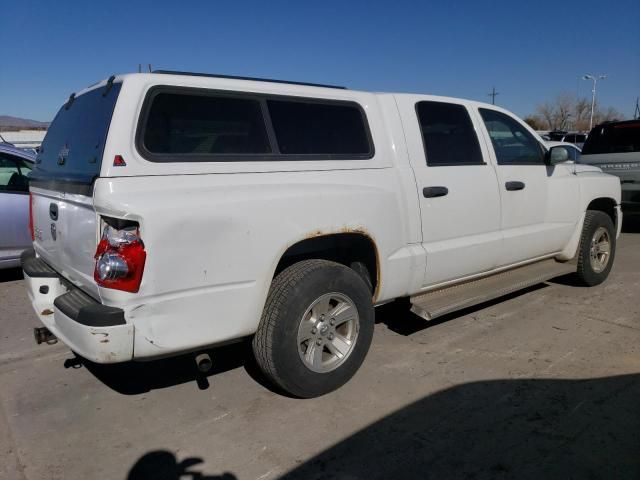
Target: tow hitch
x: 43, y: 335
x: 204, y: 362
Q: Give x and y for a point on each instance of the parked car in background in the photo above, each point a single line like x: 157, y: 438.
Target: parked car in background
x: 15, y: 166
x: 576, y: 138
x: 573, y: 151
x: 615, y: 148
x: 556, y: 135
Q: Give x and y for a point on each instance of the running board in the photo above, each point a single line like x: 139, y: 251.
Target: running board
x: 436, y: 303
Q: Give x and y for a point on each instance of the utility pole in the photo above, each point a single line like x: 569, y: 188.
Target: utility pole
x: 493, y: 95
x: 595, y: 79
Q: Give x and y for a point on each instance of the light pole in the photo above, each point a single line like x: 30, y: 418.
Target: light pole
x: 595, y: 79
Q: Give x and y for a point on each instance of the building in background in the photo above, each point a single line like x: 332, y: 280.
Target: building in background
x: 21, y: 132
x: 23, y: 138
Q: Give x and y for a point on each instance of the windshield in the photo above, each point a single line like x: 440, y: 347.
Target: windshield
x: 73, y: 147
x: 613, y: 138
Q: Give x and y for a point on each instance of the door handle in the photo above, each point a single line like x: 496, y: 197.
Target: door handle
x: 514, y: 186
x: 53, y: 211
x: 432, y: 192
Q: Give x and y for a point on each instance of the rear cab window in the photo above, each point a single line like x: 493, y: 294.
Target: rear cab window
x: 179, y: 124
x: 72, y: 150
x: 448, y: 135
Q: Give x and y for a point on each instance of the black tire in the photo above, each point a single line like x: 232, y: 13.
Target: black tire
x: 586, y: 274
x: 276, y: 346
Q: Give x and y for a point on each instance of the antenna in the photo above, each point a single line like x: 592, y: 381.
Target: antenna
x: 493, y: 95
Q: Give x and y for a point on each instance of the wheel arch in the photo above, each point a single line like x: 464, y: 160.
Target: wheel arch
x: 606, y: 205
x: 344, y: 247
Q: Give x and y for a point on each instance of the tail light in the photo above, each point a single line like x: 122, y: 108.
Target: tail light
x: 33, y: 236
x: 120, y: 257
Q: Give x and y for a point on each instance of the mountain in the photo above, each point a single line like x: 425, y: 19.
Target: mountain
x: 9, y: 123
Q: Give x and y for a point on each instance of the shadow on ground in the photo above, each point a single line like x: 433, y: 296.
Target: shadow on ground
x: 163, y: 465
x: 525, y: 429
x: 10, y: 275
x: 631, y: 223
x: 134, y: 378
x: 498, y: 429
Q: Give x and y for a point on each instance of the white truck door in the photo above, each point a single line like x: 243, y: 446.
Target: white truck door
x: 539, y: 202
x: 457, y: 187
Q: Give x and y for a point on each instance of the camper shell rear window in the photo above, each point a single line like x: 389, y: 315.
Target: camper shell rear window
x: 74, y: 144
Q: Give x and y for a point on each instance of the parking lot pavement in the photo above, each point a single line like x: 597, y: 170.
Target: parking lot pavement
x: 542, y: 384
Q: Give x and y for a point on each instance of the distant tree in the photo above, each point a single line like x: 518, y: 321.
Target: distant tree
x: 546, y: 116
x: 582, y: 113
x: 608, y: 115
x: 534, y: 122
x: 566, y: 112
x: 565, y: 105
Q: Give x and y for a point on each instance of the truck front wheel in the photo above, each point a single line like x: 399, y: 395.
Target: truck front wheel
x: 316, y: 328
x: 597, y: 248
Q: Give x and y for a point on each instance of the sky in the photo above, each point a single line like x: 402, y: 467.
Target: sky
x: 530, y: 51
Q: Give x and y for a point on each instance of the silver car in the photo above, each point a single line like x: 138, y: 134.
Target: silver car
x: 15, y: 166
x: 615, y: 148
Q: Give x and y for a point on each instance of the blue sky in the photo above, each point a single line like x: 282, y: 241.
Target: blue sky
x: 530, y: 51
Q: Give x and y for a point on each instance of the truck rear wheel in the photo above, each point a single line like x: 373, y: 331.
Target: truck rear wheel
x: 316, y: 328
x: 597, y: 248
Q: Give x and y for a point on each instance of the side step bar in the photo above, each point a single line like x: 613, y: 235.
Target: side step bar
x: 436, y: 303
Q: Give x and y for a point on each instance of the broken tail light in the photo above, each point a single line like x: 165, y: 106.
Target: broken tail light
x: 120, y: 256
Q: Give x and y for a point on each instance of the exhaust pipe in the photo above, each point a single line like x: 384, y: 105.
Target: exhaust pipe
x: 204, y: 362
x: 43, y: 335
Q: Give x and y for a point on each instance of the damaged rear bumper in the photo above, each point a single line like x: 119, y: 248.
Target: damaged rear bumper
x: 95, y: 331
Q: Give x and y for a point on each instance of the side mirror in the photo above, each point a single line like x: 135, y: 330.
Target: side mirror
x: 557, y: 154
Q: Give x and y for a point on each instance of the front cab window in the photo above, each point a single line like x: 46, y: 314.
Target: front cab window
x: 513, y: 144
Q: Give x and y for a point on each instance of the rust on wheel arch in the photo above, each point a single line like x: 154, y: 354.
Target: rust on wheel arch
x: 353, y: 230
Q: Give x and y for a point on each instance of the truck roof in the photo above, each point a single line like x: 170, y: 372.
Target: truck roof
x: 255, y: 79
x: 299, y: 88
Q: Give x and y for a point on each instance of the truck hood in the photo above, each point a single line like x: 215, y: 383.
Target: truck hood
x: 582, y: 168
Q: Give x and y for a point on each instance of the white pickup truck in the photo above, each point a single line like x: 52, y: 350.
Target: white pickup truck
x: 172, y: 212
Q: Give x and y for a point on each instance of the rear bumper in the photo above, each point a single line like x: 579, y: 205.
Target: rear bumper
x: 97, y: 332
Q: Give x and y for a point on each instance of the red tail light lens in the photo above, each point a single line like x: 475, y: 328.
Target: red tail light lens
x: 33, y: 236
x: 120, y: 258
